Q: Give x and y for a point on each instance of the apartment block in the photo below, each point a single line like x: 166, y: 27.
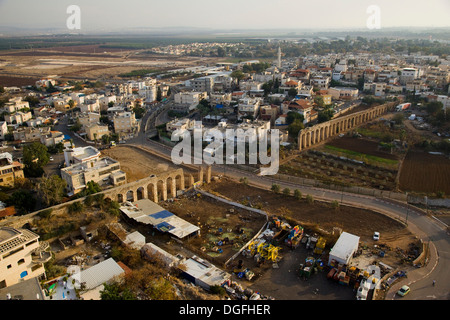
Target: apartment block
x: 104, y: 171
x: 21, y: 256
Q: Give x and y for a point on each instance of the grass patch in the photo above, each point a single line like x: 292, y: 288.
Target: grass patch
x: 362, y: 156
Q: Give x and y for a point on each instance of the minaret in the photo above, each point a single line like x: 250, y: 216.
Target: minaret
x: 279, y: 57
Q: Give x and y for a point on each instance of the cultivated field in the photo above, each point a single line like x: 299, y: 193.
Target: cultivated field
x: 424, y: 172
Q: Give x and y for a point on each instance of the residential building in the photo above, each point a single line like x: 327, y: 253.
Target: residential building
x: 18, y: 117
x: 203, y: 84
x: 10, y: 170
x: 15, y: 104
x: 104, y: 171
x: 88, y: 118
x: 189, y: 100
x: 269, y: 113
x: 80, y: 155
x: 21, y: 257
x: 53, y: 138
x: 96, y: 131
x: 343, y: 93
x: 30, y: 134
x: 249, y: 106
x: 302, y: 106
x: 408, y: 75
x: 180, y: 124
x: 125, y: 122
x: 376, y: 88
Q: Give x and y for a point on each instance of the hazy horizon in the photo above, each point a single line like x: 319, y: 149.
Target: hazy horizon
x: 113, y: 15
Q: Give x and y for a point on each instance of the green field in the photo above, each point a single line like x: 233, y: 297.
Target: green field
x: 361, y: 156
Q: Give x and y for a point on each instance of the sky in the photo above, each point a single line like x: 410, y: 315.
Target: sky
x: 113, y: 15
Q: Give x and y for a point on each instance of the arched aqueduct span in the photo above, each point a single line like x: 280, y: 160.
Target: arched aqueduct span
x: 322, y: 131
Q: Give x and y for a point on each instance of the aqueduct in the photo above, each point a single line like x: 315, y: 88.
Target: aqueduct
x: 322, y: 131
x: 158, y: 188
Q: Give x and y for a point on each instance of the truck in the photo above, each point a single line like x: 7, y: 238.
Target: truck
x: 402, y: 106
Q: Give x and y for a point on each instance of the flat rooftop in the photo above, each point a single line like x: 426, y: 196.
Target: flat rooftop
x: 148, y: 212
x: 90, y: 166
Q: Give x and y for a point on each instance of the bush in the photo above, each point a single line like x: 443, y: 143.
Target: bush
x: 76, y: 207
x: 310, y: 199
x: 45, y: 214
x: 297, y: 194
x: 275, y: 188
x: 286, y: 191
x: 335, y: 204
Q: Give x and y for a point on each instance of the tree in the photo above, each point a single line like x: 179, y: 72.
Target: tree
x: 297, y: 194
x: 35, y: 157
x: 23, y: 201
x: 319, y: 101
x: 325, y: 115
x: 433, y: 107
x: 292, y: 92
x: 238, y: 75
x: 159, y: 94
x: 51, y: 190
x: 295, y: 127
x: 292, y: 116
x: 286, y: 191
x: 114, y: 291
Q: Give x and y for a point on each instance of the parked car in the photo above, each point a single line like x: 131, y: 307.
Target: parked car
x: 403, y: 291
x: 376, y: 236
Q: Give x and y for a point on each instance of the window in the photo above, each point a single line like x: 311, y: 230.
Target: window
x: 21, y: 261
x: 9, y: 266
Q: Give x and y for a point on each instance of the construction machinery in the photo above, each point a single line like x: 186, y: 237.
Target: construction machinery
x: 320, y: 245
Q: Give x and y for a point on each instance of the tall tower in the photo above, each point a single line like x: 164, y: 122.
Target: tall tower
x: 279, y: 58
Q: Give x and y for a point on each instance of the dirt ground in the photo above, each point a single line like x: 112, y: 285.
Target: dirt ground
x: 362, y: 223
x: 217, y: 221
x: 363, y: 146
x: 424, y: 172
x: 137, y: 164
x: 87, y: 62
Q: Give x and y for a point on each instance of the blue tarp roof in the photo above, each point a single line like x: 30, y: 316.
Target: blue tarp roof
x: 161, y: 214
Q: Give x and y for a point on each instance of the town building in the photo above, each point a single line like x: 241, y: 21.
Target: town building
x: 104, y: 171
x: 21, y: 256
x: 10, y: 170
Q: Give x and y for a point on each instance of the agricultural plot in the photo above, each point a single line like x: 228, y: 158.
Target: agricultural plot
x: 334, y: 169
x: 424, y: 172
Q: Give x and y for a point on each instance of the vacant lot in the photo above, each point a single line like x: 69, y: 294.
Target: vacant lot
x: 424, y: 172
x: 138, y: 164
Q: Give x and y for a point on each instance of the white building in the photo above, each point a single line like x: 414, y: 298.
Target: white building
x: 344, y: 248
x: 21, y: 257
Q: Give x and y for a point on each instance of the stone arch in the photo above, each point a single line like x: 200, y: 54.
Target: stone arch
x: 171, y: 188
x: 308, y: 139
x: 152, y: 193
x: 179, y: 182
x: 140, y: 193
x: 120, y: 198
x: 317, y: 136
x: 161, y: 190
x: 130, y: 196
